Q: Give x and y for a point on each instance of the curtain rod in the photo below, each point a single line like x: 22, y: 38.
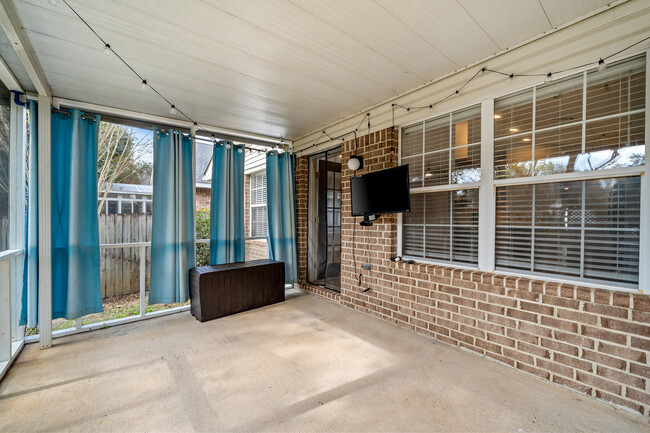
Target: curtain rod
x: 67, y: 113
x: 155, y: 119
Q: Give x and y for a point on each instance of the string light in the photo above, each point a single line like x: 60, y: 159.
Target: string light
x: 228, y: 146
x: 143, y: 82
x: 548, y: 77
x: 239, y: 150
x: 510, y: 77
x: 601, y: 65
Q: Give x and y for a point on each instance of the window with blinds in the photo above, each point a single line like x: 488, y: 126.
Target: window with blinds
x: 443, y: 151
x: 258, y: 220
x: 586, y: 229
x: 592, y: 121
x: 442, y: 226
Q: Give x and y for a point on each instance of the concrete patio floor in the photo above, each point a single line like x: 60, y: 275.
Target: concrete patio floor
x: 304, y: 365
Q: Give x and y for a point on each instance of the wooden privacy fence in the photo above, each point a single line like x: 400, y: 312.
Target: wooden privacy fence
x: 120, y: 267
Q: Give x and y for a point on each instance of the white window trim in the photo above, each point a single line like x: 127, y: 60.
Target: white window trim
x: 11, y: 260
x: 487, y: 194
x: 441, y: 188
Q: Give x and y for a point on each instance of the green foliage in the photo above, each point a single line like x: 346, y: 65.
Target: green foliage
x: 202, y: 232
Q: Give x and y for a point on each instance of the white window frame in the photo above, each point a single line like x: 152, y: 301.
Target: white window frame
x: 11, y: 260
x: 442, y: 188
x: 251, y: 205
x: 487, y: 192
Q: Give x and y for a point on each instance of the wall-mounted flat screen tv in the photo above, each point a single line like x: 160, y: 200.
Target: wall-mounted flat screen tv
x: 381, y: 192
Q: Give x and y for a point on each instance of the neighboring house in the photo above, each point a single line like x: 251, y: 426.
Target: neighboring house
x: 254, y: 189
x: 127, y: 198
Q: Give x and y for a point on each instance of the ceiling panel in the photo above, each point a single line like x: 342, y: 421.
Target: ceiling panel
x: 562, y: 11
x: 275, y: 67
x: 508, y: 22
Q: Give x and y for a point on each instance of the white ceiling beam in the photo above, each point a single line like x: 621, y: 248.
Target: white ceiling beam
x: 10, y: 23
x: 8, y: 78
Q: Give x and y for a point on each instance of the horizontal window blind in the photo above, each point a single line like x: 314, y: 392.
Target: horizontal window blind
x: 258, y: 205
x: 591, y: 121
x: 442, y: 226
x: 444, y: 150
x: 258, y: 221
x: 587, y: 229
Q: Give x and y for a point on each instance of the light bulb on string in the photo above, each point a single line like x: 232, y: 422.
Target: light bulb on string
x: 457, y: 92
x: 213, y: 138
x: 107, y: 49
x: 228, y: 146
x: 549, y: 77
x: 510, y: 77
x: 143, y: 85
x: 481, y: 71
x: 172, y: 109
x: 601, y: 64
x: 239, y: 150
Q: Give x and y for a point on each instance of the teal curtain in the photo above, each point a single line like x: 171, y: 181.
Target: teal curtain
x: 281, y: 210
x: 76, y: 288
x: 29, y: 307
x: 172, y: 237
x: 227, y: 234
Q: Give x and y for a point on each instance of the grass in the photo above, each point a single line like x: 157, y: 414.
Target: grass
x: 114, y: 308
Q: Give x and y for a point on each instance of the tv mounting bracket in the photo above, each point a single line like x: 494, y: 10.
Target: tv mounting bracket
x: 368, y: 219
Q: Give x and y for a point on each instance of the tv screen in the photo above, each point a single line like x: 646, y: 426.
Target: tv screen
x: 381, y: 192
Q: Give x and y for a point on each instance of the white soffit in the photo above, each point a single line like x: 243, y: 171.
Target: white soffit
x: 273, y: 67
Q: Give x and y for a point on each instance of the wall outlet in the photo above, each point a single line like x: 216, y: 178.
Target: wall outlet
x: 365, y: 266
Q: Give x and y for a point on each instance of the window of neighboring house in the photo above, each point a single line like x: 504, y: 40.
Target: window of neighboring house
x: 443, y: 155
x: 582, y: 225
x: 258, y: 221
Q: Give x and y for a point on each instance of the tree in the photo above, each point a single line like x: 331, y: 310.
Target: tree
x: 119, y: 154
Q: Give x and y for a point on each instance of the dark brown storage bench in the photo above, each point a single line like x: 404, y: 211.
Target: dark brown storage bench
x: 221, y: 290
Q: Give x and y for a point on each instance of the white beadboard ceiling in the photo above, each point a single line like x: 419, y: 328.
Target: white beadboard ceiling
x: 275, y: 67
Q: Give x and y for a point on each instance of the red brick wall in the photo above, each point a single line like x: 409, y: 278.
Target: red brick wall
x: 302, y: 173
x: 203, y: 198
x: 594, y: 341
x: 256, y: 249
